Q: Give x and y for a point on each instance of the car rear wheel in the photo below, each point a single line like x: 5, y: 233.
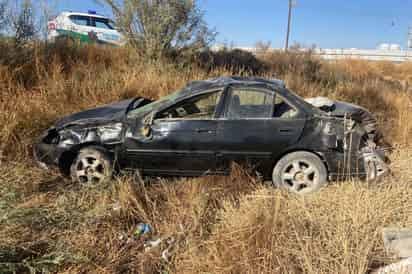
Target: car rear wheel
x: 300, y: 172
x: 92, y: 166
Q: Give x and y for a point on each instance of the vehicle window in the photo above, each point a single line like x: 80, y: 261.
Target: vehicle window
x: 103, y: 23
x: 283, y: 109
x: 80, y: 20
x: 199, y: 107
x: 249, y: 103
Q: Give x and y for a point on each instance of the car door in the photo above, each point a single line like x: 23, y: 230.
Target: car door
x: 105, y: 31
x: 82, y: 25
x: 258, y: 125
x: 182, y: 138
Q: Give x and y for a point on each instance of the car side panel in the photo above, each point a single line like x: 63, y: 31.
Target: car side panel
x: 256, y: 142
x: 183, y: 146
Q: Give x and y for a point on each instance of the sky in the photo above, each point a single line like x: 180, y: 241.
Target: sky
x: 326, y: 24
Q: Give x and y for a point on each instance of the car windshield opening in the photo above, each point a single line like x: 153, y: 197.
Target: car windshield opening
x: 198, y: 107
x: 103, y: 23
x: 154, y: 105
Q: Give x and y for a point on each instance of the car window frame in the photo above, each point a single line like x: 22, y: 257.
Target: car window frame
x: 93, y: 23
x: 89, y: 22
x: 245, y: 87
x: 299, y: 114
x: 216, y: 115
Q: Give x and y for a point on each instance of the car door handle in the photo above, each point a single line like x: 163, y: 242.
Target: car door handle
x: 204, y: 130
x: 286, y: 130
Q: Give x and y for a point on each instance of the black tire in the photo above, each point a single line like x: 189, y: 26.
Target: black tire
x: 300, y: 172
x: 92, y: 166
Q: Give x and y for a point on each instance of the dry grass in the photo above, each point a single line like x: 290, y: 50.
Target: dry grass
x: 221, y: 224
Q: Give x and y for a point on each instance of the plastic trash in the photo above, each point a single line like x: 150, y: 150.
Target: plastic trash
x: 166, y: 255
x: 141, y: 229
x: 153, y: 243
x: 170, y: 241
x: 122, y: 236
x: 148, y: 245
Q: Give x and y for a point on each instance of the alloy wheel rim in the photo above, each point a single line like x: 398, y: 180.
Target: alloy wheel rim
x: 300, y: 176
x: 90, y: 170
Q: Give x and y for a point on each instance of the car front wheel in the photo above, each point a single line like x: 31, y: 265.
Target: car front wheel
x: 300, y: 172
x: 92, y: 166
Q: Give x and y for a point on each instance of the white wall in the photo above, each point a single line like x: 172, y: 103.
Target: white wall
x: 366, y: 54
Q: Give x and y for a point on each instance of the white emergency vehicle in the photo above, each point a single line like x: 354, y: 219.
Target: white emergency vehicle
x: 86, y: 28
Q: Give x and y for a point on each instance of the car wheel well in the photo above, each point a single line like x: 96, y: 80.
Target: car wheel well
x: 301, y: 172
x: 319, y: 154
x: 67, y: 157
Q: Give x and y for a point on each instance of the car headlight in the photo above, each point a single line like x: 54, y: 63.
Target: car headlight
x: 110, y: 132
x: 69, y: 137
x: 329, y: 128
x: 51, y: 136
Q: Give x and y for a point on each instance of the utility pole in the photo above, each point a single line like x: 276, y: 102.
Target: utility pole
x: 409, y: 38
x: 289, y: 19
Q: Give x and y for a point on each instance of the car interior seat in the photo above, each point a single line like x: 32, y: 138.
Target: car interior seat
x: 234, y: 107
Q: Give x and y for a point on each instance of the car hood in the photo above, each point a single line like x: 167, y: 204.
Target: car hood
x: 111, y: 112
x: 337, y: 108
x: 344, y: 109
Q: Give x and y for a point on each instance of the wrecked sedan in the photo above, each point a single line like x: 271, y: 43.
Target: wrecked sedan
x: 208, y: 125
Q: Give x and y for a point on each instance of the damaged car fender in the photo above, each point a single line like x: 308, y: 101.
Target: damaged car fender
x: 56, y: 147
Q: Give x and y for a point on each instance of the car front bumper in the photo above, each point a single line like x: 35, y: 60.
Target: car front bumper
x: 376, y: 163
x: 47, y: 155
x: 369, y: 164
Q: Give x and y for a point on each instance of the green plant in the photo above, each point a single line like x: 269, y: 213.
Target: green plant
x: 162, y: 28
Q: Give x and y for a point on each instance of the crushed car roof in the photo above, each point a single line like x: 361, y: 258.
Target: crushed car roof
x: 196, y: 87
x: 96, y: 15
x: 227, y: 80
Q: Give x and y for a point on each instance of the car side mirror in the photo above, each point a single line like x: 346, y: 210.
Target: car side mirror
x: 147, y: 125
x: 147, y: 131
x: 149, y: 119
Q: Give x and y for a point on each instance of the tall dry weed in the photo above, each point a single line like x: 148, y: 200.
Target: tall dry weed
x: 221, y: 224
x: 336, y: 231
